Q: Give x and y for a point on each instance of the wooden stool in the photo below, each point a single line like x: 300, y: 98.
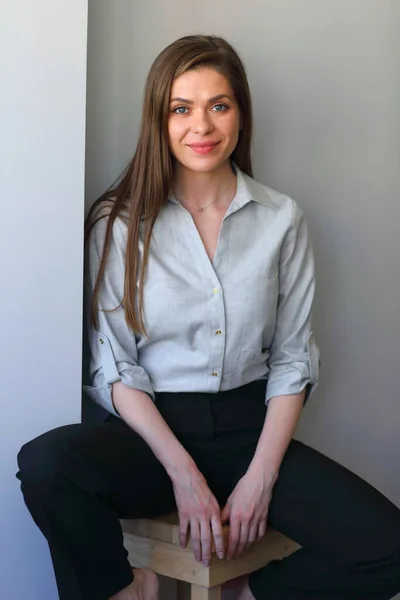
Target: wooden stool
x: 154, y: 543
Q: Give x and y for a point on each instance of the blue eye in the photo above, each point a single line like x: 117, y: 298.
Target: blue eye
x: 220, y: 107
x: 180, y: 110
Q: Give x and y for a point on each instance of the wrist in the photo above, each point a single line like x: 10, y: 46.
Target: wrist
x: 262, y: 471
x: 180, y: 468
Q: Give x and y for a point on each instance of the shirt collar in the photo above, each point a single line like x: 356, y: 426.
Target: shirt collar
x: 247, y: 190
x: 250, y: 190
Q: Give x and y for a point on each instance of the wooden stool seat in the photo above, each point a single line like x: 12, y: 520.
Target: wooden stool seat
x: 154, y: 543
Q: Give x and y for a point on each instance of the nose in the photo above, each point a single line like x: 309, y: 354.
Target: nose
x: 201, y: 122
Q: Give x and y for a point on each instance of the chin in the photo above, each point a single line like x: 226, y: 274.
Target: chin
x: 203, y: 164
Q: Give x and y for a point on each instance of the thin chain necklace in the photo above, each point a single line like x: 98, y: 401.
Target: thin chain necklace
x: 201, y: 208
x: 195, y: 206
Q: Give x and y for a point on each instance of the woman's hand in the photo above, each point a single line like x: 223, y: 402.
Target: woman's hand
x: 247, y: 511
x: 197, y: 506
x: 198, y: 510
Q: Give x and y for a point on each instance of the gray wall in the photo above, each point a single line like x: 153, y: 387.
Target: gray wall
x: 325, y: 81
x: 43, y: 99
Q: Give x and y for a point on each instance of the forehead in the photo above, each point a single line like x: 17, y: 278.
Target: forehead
x: 199, y: 83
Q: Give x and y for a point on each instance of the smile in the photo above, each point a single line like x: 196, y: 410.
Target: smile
x: 203, y: 147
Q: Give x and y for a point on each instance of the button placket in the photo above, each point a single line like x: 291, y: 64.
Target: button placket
x: 216, y: 307
x: 217, y: 342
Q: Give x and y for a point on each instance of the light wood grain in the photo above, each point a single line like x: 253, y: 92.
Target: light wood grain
x: 202, y: 593
x: 166, y: 559
x: 173, y: 561
x: 162, y: 529
x: 273, y: 546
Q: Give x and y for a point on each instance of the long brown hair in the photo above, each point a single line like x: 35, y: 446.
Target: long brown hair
x: 145, y: 185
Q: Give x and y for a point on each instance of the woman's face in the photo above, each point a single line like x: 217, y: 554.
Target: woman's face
x: 204, y: 120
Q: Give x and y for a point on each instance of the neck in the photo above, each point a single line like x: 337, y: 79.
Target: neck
x: 200, y: 189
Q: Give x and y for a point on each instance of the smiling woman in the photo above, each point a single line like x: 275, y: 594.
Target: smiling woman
x: 203, y: 132
x: 200, y: 283
x: 203, y: 127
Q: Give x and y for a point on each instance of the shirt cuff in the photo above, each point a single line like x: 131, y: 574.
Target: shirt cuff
x: 293, y: 378
x: 133, y: 377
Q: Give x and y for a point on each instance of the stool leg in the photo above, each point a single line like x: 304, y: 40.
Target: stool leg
x: 198, y: 592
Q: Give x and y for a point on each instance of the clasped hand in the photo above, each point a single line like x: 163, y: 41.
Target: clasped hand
x: 246, y: 510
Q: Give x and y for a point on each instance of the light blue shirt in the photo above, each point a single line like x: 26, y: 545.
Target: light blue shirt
x: 216, y: 325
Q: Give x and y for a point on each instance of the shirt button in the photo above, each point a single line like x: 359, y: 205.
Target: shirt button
x: 218, y: 332
x: 214, y: 374
x: 216, y: 290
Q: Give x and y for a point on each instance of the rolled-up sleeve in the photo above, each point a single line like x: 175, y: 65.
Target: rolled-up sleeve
x: 294, y: 356
x: 114, y: 355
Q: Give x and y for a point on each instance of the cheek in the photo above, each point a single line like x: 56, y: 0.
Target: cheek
x: 231, y: 127
x: 176, y: 131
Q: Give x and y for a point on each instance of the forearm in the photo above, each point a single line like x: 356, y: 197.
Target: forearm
x: 280, y: 423
x: 140, y: 413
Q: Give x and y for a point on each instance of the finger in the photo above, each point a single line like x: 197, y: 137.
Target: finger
x: 243, y: 539
x: 234, y: 534
x: 183, y: 530
x: 225, y: 513
x: 195, y: 538
x: 205, y: 531
x: 262, y: 529
x: 253, y: 532
x: 218, y: 535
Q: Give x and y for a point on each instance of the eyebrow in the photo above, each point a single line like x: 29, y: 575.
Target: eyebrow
x: 211, y: 100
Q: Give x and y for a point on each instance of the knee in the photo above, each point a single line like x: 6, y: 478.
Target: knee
x: 385, y: 561
x: 390, y: 574
x: 41, y: 458
x: 393, y: 568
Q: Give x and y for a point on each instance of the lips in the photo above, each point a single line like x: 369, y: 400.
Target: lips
x: 203, y: 147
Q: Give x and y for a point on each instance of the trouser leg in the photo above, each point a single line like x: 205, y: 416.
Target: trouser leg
x: 77, y: 482
x: 349, y: 533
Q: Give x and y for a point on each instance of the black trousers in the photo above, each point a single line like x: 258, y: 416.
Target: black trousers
x: 78, y: 480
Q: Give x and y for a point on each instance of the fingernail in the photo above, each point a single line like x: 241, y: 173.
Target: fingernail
x: 206, y: 563
x: 220, y: 555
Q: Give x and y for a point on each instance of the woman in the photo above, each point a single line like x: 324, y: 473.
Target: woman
x: 201, y: 285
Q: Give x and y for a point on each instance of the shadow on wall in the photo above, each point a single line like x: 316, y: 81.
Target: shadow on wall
x: 112, y: 91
